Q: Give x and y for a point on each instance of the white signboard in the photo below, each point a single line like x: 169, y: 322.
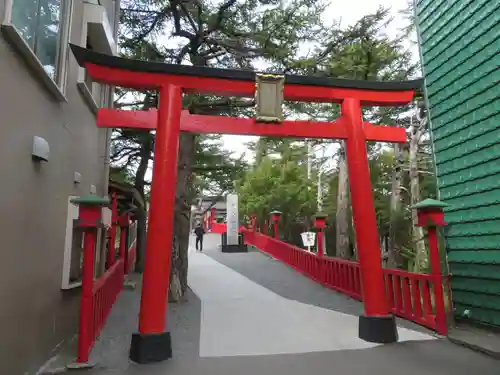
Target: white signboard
x: 308, y: 239
x: 106, y: 217
x: 232, y: 219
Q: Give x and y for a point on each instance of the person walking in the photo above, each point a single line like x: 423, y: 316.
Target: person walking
x: 199, y: 232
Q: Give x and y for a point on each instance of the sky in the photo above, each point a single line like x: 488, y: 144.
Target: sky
x: 348, y: 12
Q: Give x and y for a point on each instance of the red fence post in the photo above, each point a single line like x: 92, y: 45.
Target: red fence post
x: 275, y: 219
x: 89, y: 218
x: 430, y: 214
x: 320, y: 224
x: 253, y: 220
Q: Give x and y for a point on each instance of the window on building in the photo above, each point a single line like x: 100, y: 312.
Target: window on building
x: 43, y: 24
x: 97, y: 95
x: 76, y: 261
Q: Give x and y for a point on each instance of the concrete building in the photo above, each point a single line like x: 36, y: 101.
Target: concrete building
x: 50, y: 150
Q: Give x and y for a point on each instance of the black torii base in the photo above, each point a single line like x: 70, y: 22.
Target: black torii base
x: 241, y: 247
x: 378, y: 329
x: 150, y: 348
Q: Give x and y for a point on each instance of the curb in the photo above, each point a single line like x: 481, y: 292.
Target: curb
x: 476, y: 348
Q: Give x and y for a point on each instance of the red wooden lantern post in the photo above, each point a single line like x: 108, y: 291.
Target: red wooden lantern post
x: 430, y: 215
x: 253, y: 222
x: 320, y: 225
x: 90, y: 219
x: 275, y: 219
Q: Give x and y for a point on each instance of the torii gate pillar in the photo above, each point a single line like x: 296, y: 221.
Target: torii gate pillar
x: 153, y: 342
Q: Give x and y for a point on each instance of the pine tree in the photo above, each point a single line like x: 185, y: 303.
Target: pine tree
x: 229, y: 35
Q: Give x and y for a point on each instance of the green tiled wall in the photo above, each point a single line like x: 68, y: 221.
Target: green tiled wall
x: 460, y: 46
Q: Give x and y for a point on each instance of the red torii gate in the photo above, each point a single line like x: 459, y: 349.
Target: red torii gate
x: 153, y: 342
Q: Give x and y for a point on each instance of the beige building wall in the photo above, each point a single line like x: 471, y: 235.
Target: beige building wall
x: 35, y: 314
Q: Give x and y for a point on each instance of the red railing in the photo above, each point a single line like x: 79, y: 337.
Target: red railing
x: 338, y: 274
x: 410, y: 295
x: 218, y: 228
x: 106, y: 289
x: 222, y: 228
x: 343, y: 275
x: 99, y: 294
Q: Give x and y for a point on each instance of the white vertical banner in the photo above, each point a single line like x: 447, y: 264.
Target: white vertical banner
x: 232, y: 219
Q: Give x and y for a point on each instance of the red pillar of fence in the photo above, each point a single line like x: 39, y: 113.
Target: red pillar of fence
x: 90, y: 219
x: 112, y: 231
x: 156, y: 276
x: 320, y: 225
x: 253, y: 222
x: 275, y: 219
x: 430, y: 214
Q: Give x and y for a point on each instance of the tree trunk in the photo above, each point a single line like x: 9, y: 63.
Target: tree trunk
x: 144, y: 156
x: 141, y: 216
x: 421, y: 259
x: 182, y: 215
x: 393, y: 256
x: 343, y: 250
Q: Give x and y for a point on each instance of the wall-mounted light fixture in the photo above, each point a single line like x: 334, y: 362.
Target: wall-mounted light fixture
x: 269, y: 97
x: 41, y: 149
x: 77, y: 178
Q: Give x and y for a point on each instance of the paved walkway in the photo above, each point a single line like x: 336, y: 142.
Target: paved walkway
x: 247, y: 314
